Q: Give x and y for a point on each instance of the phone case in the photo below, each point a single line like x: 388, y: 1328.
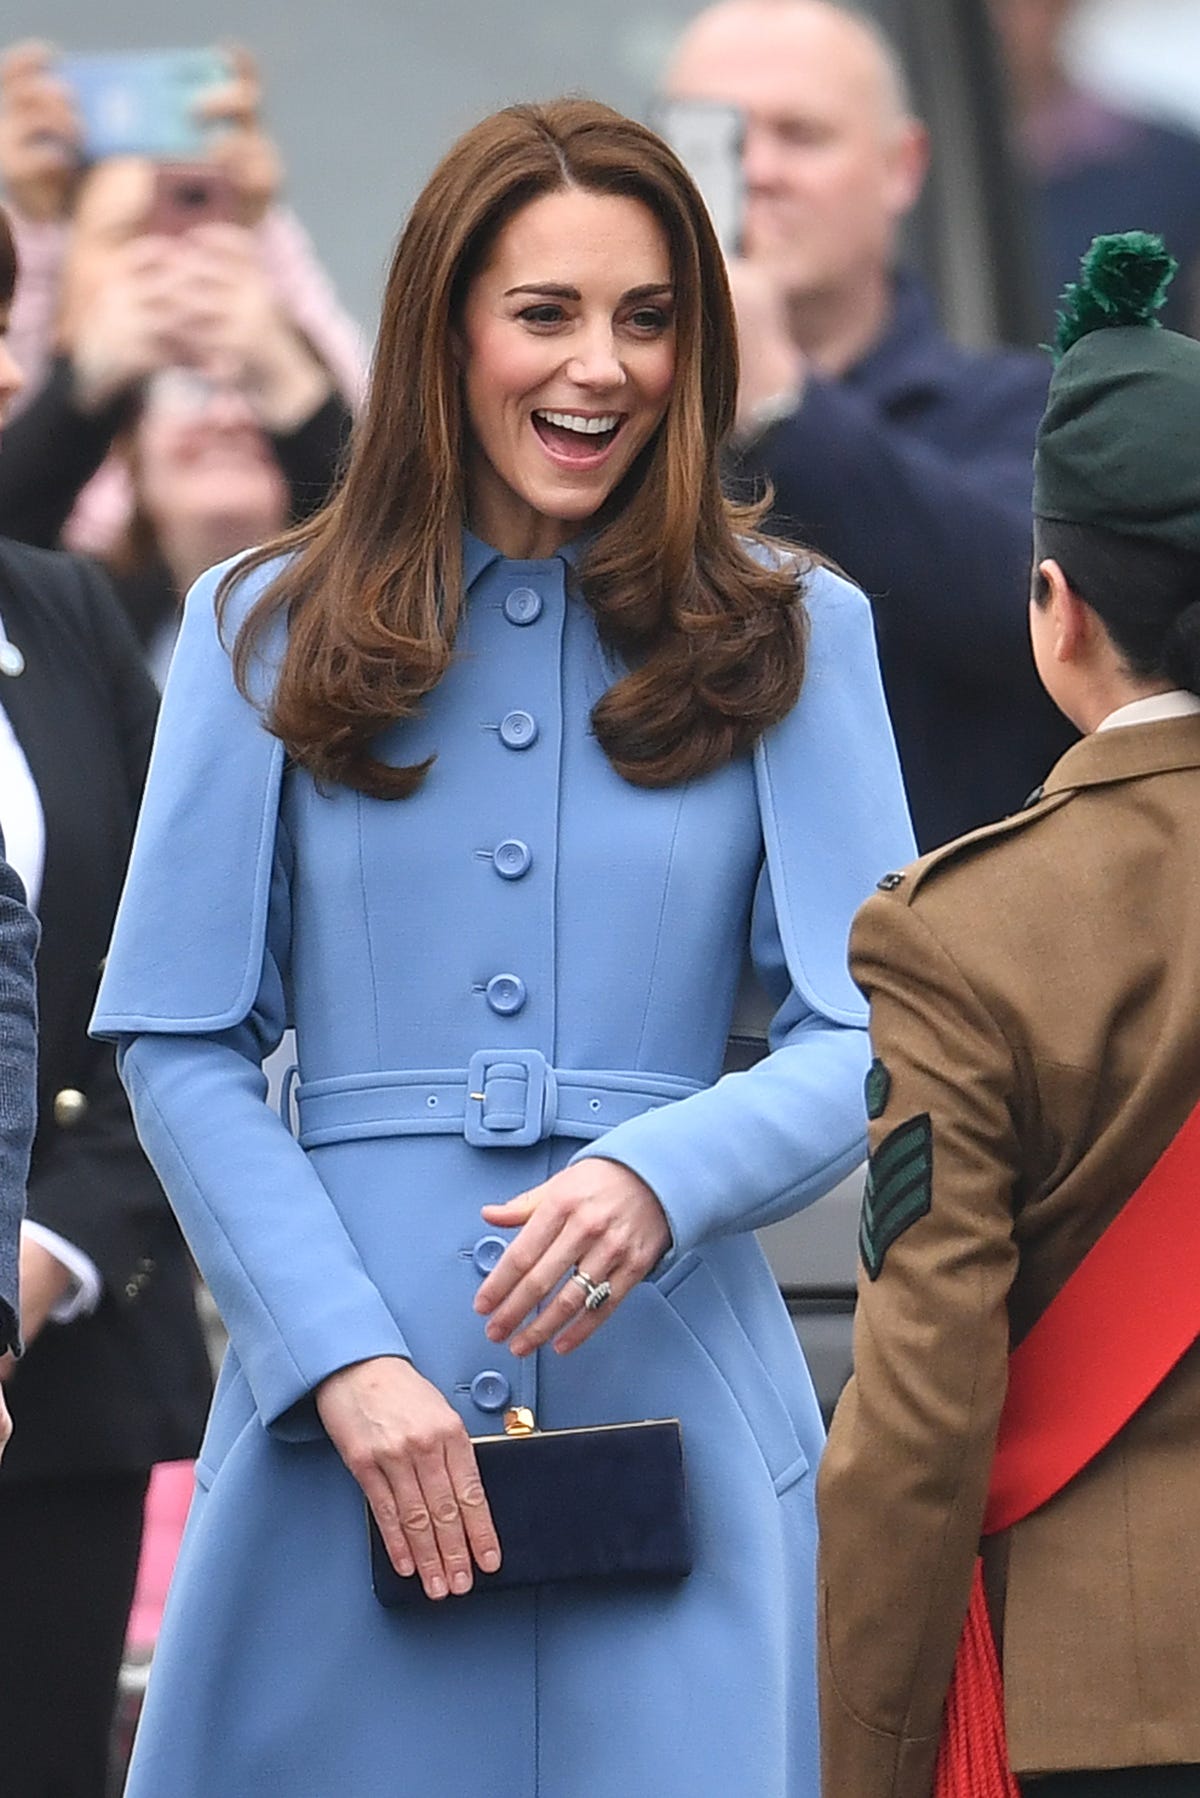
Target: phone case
x: 143, y: 104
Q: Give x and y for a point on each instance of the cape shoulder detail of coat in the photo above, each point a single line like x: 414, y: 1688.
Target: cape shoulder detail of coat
x: 831, y: 798
x: 187, y: 955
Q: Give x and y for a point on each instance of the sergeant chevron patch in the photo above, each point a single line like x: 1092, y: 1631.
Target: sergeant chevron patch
x: 899, y: 1189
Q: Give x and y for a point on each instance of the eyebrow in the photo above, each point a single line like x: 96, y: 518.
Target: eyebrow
x: 552, y: 290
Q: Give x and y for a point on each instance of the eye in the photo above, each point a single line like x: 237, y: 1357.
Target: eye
x: 650, y: 320
x: 546, y: 312
x: 804, y: 134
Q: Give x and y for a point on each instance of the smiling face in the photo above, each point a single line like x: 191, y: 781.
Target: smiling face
x: 567, y: 343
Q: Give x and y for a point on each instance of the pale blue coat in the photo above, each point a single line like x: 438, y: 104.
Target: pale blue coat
x: 532, y: 927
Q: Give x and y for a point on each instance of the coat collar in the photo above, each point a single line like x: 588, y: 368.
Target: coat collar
x: 478, y: 557
x: 1127, y: 754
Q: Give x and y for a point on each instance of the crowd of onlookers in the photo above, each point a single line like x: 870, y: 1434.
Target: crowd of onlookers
x: 187, y: 392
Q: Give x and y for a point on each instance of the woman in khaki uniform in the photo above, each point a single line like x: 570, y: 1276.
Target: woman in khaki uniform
x: 1035, y: 1016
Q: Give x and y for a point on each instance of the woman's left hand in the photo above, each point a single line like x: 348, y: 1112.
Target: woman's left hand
x: 242, y: 147
x: 597, y: 1216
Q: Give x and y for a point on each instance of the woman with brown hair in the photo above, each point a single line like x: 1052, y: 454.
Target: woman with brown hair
x: 553, y: 747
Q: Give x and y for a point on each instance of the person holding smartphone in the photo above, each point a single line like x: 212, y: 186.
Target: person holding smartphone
x: 165, y: 266
x: 901, y: 456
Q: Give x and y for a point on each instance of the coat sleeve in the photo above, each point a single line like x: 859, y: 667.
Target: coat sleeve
x: 91, y: 1183
x: 18, y: 1084
x: 194, y: 994
x: 763, y: 1143
x: 903, y: 1482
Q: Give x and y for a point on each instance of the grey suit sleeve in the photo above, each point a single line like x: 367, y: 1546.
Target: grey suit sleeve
x: 18, y: 1084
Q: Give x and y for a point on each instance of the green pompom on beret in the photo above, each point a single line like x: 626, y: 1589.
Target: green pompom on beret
x: 1119, y: 442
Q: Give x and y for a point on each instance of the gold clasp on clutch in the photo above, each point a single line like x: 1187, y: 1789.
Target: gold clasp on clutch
x: 519, y: 1421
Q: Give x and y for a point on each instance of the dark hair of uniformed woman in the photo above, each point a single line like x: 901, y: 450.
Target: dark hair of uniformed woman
x: 8, y: 261
x: 1146, y: 595
x: 712, y: 637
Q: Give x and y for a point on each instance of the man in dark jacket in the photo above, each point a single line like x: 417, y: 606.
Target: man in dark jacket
x: 899, y: 455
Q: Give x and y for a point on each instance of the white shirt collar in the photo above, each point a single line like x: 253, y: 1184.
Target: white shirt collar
x: 1176, y: 704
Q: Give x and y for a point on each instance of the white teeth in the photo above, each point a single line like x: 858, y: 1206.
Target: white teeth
x: 575, y: 421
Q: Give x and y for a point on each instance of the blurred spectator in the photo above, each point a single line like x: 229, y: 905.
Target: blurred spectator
x: 904, y: 458
x: 1093, y: 168
x: 115, y: 1375
x: 272, y: 368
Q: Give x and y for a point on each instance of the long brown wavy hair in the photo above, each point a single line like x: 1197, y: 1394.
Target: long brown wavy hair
x: 712, y: 634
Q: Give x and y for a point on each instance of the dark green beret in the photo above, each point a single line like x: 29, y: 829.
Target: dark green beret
x: 1119, y: 442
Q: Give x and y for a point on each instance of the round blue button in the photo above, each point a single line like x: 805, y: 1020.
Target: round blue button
x: 518, y: 730
x: 512, y: 859
x: 487, y: 1252
x: 506, y: 994
x: 490, y: 1390
x: 523, y: 606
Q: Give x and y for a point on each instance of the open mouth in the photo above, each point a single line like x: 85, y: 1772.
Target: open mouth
x: 576, y: 436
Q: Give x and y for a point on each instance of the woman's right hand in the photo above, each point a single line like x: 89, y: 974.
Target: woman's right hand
x: 410, y: 1452
x: 5, y: 1424
x: 241, y: 147
x: 39, y: 133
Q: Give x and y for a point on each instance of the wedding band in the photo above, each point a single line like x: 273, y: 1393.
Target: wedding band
x: 598, y: 1292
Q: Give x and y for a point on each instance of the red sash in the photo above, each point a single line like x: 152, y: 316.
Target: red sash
x: 1123, y: 1320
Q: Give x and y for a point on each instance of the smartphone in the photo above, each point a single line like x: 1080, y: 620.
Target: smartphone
x: 187, y: 194
x: 143, y: 103
x: 708, y: 138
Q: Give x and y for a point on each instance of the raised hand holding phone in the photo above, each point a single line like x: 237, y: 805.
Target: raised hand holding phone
x: 708, y: 137
x: 235, y: 333
x: 40, y: 133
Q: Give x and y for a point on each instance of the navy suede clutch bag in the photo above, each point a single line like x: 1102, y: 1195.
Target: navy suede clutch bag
x: 603, y: 1504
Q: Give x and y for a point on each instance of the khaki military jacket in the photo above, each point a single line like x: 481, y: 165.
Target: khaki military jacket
x: 1035, y: 1000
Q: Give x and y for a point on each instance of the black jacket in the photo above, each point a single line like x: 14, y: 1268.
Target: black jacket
x: 915, y: 474
x: 129, y: 1385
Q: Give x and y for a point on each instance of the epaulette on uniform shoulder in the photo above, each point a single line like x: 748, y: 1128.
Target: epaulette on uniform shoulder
x: 908, y: 881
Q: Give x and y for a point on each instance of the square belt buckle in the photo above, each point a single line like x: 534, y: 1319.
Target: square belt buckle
x: 509, y: 1101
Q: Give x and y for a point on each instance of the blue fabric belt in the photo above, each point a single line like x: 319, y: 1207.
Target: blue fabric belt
x: 504, y: 1099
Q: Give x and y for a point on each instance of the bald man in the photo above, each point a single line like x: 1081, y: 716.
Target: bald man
x: 902, y: 457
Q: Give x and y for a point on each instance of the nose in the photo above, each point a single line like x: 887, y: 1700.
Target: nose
x: 595, y: 361
x: 11, y: 378
x: 760, y: 157
x: 228, y: 410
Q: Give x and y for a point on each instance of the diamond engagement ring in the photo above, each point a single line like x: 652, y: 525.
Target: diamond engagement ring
x: 598, y: 1292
